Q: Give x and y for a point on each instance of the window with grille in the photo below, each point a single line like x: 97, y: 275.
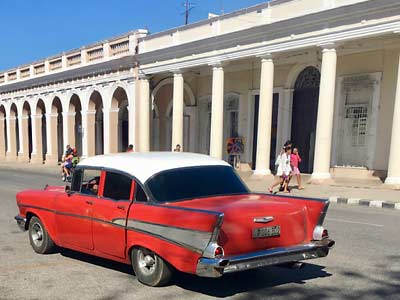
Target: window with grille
x: 359, y: 118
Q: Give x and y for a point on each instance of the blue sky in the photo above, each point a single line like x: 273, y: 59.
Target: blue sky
x: 34, y: 29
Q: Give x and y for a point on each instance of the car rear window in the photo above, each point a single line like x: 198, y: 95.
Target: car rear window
x: 195, y: 182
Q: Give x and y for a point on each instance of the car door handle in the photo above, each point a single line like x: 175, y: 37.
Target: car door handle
x: 89, y: 202
x: 121, y: 207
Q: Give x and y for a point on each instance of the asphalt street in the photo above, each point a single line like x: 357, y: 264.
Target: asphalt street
x: 365, y: 263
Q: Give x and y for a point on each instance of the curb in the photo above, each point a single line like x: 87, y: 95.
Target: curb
x: 364, y: 202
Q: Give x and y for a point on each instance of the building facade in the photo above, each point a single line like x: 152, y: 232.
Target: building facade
x: 321, y: 73
x: 84, y: 97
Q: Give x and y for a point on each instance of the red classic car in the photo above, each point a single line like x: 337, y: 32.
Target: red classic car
x: 172, y: 211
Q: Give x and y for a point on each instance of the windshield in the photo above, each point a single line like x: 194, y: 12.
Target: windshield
x: 195, y: 182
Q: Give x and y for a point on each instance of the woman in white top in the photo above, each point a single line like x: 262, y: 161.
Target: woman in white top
x: 283, y: 171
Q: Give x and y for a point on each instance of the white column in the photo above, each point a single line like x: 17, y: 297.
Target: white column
x: 326, y: 105
x: 2, y: 139
x: 12, y: 138
x: 85, y: 134
x: 34, y: 119
x: 393, y: 176
x: 286, y: 106
x: 265, y: 117
x: 177, y: 112
x: 8, y: 123
x: 144, y: 115
x: 49, y: 134
x: 65, y: 129
x: 21, y: 135
x: 131, y: 122
x: 217, y: 112
x: 106, y: 130
x: 111, y: 131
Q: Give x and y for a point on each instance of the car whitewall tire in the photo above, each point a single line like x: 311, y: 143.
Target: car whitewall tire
x: 150, y: 269
x: 39, y: 238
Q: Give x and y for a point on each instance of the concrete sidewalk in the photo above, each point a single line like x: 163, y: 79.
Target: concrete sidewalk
x: 35, y: 168
x: 351, y: 191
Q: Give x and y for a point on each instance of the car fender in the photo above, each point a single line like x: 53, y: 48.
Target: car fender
x: 39, y: 204
x: 177, y: 256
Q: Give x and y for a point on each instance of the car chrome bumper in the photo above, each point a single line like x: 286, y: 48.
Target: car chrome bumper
x: 21, y: 222
x: 216, y: 267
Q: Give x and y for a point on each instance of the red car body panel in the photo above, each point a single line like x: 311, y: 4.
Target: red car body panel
x: 181, y: 258
x: 296, y: 217
x: 178, y: 232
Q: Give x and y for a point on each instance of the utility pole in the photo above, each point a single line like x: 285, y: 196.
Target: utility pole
x: 188, y: 7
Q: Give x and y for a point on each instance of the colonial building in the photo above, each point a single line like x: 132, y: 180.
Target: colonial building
x: 84, y: 97
x: 321, y: 73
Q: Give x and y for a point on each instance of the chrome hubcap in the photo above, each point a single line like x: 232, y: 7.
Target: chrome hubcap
x: 147, y: 261
x: 37, y: 234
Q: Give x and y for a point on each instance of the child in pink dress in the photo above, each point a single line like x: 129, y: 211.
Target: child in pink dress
x: 295, y: 159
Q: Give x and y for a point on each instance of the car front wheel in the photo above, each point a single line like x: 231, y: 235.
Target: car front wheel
x: 149, y: 268
x: 40, y: 240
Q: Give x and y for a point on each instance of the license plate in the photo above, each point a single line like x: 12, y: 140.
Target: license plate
x: 270, y: 231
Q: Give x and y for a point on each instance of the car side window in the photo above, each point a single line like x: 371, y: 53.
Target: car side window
x: 117, y: 186
x: 140, y: 195
x: 90, y: 182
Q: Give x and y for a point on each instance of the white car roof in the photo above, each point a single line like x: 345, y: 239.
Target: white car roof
x: 144, y: 165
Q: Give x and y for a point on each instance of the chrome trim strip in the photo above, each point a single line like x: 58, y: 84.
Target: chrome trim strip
x: 209, y: 251
x: 120, y: 220
x: 165, y: 239
x: 217, y: 227
x: 194, y: 240
x: 37, y: 207
x: 216, y: 267
x: 67, y: 214
x: 188, y: 238
x: 263, y: 219
x: 211, y: 212
x: 294, y: 197
x: 323, y: 214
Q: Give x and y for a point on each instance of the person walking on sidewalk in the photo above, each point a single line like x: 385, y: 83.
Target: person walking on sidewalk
x: 295, y: 159
x: 284, y: 170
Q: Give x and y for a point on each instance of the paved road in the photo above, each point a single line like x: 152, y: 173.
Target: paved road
x: 365, y: 264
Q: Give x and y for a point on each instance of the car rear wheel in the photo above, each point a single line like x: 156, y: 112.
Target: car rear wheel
x: 40, y: 240
x: 149, y: 268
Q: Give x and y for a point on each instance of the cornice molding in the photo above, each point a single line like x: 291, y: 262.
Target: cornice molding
x: 295, y: 44
x: 93, y: 71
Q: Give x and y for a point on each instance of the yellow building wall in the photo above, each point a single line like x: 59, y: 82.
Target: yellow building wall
x: 384, y: 61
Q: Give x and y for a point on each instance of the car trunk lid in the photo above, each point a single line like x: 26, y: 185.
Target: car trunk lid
x: 254, y: 222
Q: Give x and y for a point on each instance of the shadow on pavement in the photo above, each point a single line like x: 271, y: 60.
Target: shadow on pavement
x: 248, y: 281
x: 277, y: 282
x: 98, y: 261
